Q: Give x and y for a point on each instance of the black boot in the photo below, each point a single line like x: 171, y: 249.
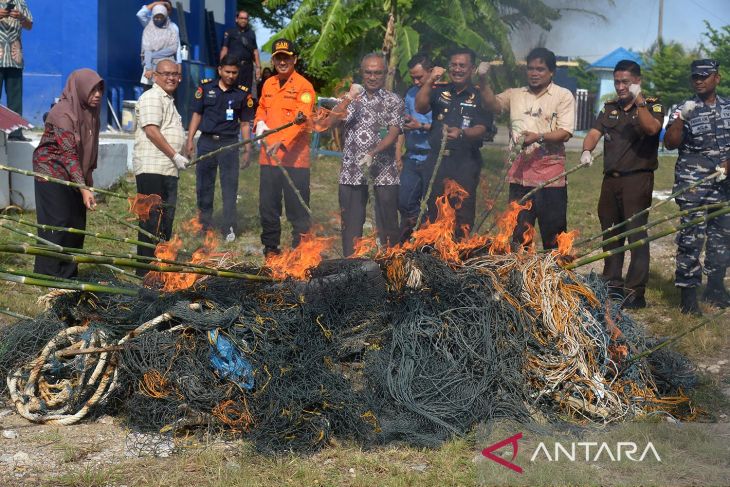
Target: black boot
x: 689, y: 304
x: 716, y: 294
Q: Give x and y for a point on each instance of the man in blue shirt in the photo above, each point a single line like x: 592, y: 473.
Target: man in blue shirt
x: 414, y: 176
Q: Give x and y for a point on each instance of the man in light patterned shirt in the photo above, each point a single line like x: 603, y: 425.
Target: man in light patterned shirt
x: 158, y: 142
x: 14, y: 17
x: 372, y: 123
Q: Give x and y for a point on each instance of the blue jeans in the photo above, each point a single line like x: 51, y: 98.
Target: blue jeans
x: 414, y: 181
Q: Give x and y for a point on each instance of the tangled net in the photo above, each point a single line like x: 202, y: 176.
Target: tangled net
x: 418, y: 345
x: 409, y: 348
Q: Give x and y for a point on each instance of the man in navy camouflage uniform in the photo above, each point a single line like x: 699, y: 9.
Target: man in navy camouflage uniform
x: 700, y: 128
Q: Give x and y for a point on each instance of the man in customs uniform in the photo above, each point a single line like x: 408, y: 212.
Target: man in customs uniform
x: 700, y: 128
x: 221, y: 110
x: 281, y: 98
x: 630, y: 126
x: 240, y: 42
x: 457, y: 106
x: 542, y: 118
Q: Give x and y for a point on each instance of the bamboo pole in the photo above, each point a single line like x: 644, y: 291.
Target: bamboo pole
x: 13, y: 314
x: 550, y: 181
x: 439, y: 158
x: 649, y: 225
x: 124, y: 262
x: 74, y: 285
x: 300, y: 119
x: 643, y: 241
x: 19, y: 272
x: 127, y: 224
x: 78, y: 231
x: 647, y: 210
x: 70, y: 184
x: 671, y: 340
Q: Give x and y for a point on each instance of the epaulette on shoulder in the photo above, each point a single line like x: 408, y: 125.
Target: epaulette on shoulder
x: 206, y: 80
x: 441, y: 83
x: 611, y: 102
x: 652, y: 99
x: 243, y: 88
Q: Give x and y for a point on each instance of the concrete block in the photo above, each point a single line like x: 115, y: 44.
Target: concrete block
x: 112, y: 165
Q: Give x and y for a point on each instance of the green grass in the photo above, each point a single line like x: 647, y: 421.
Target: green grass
x: 695, y: 453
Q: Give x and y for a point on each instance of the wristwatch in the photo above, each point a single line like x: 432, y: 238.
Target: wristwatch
x: 541, y: 139
x: 642, y: 104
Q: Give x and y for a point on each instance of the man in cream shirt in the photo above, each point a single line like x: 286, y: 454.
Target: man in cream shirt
x: 542, y: 119
x: 158, y: 142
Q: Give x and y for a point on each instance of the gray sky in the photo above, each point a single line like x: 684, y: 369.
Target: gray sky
x: 629, y: 23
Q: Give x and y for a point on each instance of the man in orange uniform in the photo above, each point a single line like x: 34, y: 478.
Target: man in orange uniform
x: 282, y: 97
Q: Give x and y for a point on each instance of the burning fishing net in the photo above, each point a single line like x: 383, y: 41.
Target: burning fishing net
x: 417, y: 344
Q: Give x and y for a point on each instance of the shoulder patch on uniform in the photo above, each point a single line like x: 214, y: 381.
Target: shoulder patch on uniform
x: 249, y: 102
x: 243, y: 87
x: 199, y: 93
x: 306, y: 97
x: 657, y: 108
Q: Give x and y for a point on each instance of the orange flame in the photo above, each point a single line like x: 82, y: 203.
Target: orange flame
x: 528, y: 238
x: 364, y: 245
x: 175, y: 281
x: 142, y: 204
x: 565, y: 242
x: 502, y: 242
x: 297, y: 262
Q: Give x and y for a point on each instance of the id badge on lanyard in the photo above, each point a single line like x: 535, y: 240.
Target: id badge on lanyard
x: 229, y: 112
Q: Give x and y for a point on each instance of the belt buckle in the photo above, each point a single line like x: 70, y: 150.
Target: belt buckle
x: 615, y: 174
x: 216, y: 137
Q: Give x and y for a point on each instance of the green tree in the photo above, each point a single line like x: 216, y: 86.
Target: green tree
x: 667, y: 74
x: 587, y: 80
x: 333, y: 33
x: 718, y: 48
x: 272, y: 17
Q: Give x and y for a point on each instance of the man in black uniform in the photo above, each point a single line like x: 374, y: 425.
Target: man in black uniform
x: 221, y: 110
x: 240, y: 42
x: 630, y: 127
x: 458, y: 107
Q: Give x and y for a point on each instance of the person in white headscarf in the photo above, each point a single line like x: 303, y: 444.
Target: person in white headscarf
x: 159, y: 41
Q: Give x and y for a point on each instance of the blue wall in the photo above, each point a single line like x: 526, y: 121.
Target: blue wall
x: 103, y: 35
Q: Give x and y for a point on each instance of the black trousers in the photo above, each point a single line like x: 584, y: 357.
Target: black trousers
x: 463, y: 168
x: 12, y: 80
x: 620, y: 199
x: 205, y: 175
x: 59, y: 206
x: 414, y: 179
x: 549, y: 210
x: 245, y: 75
x: 353, y: 203
x: 272, y: 187
x: 161, y: 217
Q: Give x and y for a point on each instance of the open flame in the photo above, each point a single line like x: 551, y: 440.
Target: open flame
x: 506, y: 224
x: 565, y: 243
x: 175, y: 281
x: 142, y: 204
x: 298, y: 261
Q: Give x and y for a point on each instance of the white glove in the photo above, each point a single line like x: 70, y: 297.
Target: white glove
x: 364, y: 161
x: 355, y: 91
x: 261, y: 127
x: 231, y: 235
x: 635, y: 89
x: 722, y: 176
x: 181, y: 162
x: 586, y: 159
x: 687, y: 109
x: 483, y: 68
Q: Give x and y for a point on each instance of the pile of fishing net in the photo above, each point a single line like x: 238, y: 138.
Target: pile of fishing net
x: 408, y: 347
